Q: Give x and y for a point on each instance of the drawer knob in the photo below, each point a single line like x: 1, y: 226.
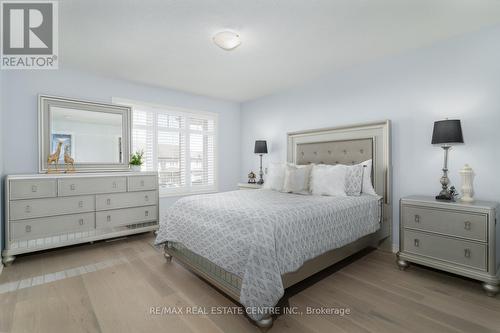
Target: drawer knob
x: 416, y: 242
x: 28, y: 209
x: 80, y: 204
x: 34, y: 188
x: 108, y: 202
x: 146, y: 197
x: 72, y: 187
x: 114, y: 184
x: 28, y: 228
x: 417, y: 218
x: 108, y: 218
x: 146, y: 213
x: 467, y: 225
x: 467, y: 253
x: 142, y: 182
x: 80, y: 221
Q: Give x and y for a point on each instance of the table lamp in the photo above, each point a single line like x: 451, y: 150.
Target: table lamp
x: 446, y: 134
x: 261, y: 149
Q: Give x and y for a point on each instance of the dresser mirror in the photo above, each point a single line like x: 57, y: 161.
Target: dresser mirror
x: 89, y: 136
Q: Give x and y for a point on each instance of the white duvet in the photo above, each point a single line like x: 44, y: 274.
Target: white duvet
x: 261, y: 234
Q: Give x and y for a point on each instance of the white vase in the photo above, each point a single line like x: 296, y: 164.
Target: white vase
x: 135, y: 168
x: 467, y: 175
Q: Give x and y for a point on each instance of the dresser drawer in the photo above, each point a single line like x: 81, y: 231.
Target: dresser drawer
x: 79, y: 186
x: 124, y: 200
x: 450, y: 222
x: 118, y: 217
x: 453, y: 250
x: 47, y: 226
x: 28, y: 209
x: 142, y: 183
x: 32, y: 188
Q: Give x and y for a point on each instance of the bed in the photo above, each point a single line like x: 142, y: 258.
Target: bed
x: 254, y: 244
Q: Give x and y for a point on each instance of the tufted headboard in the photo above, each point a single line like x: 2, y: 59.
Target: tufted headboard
x: 335, y: 152
x: 349, y: 145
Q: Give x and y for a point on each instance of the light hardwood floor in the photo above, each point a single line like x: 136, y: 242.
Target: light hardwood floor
x: 111, y: 286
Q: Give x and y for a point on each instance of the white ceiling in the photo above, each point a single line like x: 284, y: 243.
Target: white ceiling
x: 167, y: 43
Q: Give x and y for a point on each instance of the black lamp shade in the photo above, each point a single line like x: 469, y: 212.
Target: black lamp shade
x: 447, y: 132
x: 260, y: 147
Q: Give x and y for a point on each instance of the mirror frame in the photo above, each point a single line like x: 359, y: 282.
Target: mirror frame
x: 45, y: 102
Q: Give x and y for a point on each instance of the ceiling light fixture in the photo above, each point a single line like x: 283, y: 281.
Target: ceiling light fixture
x: 227, y: 40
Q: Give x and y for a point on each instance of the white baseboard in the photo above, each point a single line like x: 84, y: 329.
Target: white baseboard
x: 395, y: 248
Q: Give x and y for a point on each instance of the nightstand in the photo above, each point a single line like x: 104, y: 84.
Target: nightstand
x: 455, y: 237
x: 247, y: 186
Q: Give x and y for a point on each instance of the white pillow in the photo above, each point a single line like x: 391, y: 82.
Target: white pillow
x: 354, y: 180
x: 328, y: 180
x: 367, y: 178
x: 275, y: 177
x: 297, y: 178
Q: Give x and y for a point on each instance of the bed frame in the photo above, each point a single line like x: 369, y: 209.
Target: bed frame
x: 340, y: 145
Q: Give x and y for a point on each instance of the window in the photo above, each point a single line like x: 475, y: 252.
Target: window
x: 179, y: 144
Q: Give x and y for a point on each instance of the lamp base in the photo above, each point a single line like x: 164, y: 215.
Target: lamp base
x: 446, y: 194
x: 261, y: 172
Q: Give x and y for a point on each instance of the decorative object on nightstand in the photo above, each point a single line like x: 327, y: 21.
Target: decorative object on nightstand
x: 446, y: 133
x: 467, y: 175
x: 249, y: 186
x: 455, y: 237
x: 252, y: 177
x: 261, y: 149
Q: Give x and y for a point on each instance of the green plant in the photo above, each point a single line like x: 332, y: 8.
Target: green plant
x: 137, y: 158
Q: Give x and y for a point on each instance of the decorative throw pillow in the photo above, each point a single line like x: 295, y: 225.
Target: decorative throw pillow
x: 297, y: 178
x: 367, y: 186
x: 354, y: 180
x: 275, y: 177
x: 328, y: 180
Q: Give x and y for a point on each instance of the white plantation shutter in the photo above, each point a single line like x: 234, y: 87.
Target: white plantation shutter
x: 143, y: 136
x: 180, y: 145
x: 201, y: 151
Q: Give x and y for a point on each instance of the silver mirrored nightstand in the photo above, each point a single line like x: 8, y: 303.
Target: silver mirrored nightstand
x: 455, y: 237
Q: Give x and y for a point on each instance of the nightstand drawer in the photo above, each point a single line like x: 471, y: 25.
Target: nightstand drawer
x: 449, y: 222
x: 447, y: 249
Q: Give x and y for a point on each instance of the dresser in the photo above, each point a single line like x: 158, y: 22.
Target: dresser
x: 50, y: 211
x: 451, y: 236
